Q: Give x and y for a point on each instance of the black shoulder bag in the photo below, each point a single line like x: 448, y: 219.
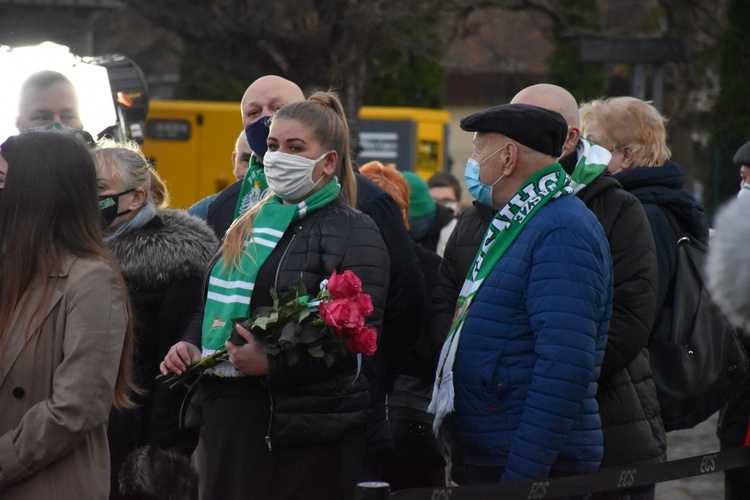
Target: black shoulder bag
x: 696, y: 355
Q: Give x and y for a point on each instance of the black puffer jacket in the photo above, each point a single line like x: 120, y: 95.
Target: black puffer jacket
x: 407, y: 294
x: 314, y: 403
x: 163, y: 264
x: 628, y: 407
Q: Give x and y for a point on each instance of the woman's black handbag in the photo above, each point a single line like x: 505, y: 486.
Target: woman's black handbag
x: 411, y: 425
x: 696, y: 355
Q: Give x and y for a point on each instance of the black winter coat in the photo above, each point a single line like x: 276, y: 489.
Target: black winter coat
x: 220, y: 212
x: 314, y: 403
x: 443, y: 217
x: 406, y: 306
x: 163, y: 264
x: 628, y: 407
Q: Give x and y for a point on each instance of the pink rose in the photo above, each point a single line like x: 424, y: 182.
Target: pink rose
x: 344, y: 285
x: 365, y: 342
x: 343, y: 315
x: 365, y: 304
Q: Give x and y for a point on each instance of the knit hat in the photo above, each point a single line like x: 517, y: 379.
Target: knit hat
x: 420, y: 201
x: 540, y: 129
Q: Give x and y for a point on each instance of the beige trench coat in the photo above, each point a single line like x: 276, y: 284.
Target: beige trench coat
x: 56, y: 387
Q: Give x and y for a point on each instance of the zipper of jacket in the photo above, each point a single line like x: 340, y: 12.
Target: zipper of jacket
x: 270, y: 394
x: 281, y: 261
x: 270, y: 420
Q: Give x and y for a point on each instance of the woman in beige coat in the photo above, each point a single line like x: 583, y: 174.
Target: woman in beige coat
x: 65, y: 334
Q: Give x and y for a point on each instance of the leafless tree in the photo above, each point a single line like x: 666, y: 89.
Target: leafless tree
x: 316, y: 43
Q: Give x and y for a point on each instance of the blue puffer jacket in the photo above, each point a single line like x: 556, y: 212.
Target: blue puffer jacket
x: 531, y: 348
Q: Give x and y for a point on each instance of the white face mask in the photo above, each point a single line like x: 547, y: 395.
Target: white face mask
x: 453, y: 205
x: 290, y: 176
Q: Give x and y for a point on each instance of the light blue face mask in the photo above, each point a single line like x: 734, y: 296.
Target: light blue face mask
x: 478, y: 189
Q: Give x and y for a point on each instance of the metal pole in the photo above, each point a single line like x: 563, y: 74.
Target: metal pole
x: 657, y: 87
x: 638, y: 81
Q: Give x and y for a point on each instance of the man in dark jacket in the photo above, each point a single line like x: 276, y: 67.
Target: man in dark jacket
x: 633, y: 432
x: 407, y: 292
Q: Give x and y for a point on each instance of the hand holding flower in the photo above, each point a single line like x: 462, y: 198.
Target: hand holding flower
x: 332, y: 321
x: 180, y: 356
x: 248, y: 358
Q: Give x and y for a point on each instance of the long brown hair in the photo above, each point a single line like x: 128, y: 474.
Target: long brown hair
x: 324, y: 114
x: 49, y: 209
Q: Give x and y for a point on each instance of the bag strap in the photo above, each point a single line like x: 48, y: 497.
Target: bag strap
x: 676, y: 228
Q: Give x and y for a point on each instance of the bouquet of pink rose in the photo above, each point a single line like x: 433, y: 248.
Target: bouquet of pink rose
x: 328, y: 324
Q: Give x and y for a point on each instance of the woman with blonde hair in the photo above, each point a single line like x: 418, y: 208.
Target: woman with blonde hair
x: 283, y: 425
x: 163, y: 256
x: 634, y: 132
x: 65, y: 330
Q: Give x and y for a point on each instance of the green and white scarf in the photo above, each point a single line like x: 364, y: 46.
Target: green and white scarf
x: 253, y: 189
x: 592, y: 160
x: 546, y: 184
x: 231, y: 287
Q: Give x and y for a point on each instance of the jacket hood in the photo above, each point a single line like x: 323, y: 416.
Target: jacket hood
x: 171, y: 246
x: 662, y: 186
x: 669, y: 175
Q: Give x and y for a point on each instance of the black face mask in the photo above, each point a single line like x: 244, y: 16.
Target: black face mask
x: 108, y: 204
x: 257, y: 134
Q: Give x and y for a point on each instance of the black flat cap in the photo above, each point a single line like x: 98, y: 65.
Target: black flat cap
x: 537, y: 128
x: 742, y: 156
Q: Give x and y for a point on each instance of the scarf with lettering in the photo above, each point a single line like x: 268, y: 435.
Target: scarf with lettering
x: 253, y: 188
x: 230, y: 287
x: 546, y: 184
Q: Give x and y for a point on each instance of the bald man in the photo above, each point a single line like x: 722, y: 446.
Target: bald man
x: 241, y: 157
x: 261, y: 100
x: 631, y: 422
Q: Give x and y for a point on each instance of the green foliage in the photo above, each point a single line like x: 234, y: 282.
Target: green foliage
x: 404, y: 79
x: 585, y: 81
x: 408, y: 73
x: 203, y: 79
x: 730, y: 123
